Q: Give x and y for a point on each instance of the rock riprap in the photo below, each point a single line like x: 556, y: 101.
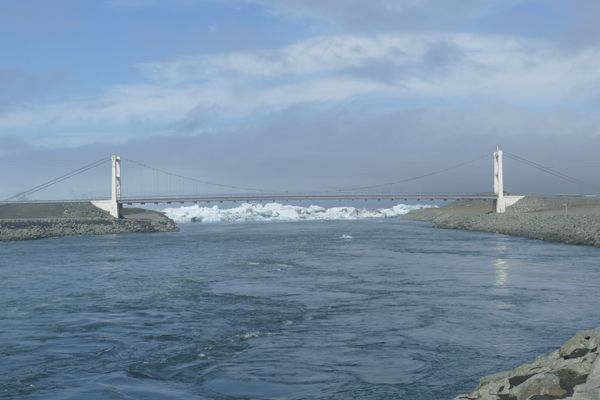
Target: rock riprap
x: 565, y: 219
x: 571, y: 372
x: 28, y: 221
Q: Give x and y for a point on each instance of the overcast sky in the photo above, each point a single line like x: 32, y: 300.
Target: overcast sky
x: 301, y: 94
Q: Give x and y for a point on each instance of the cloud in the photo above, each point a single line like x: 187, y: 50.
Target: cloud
x: 234, y: 85
x: 571, y: 25
x: 12, y: 145
x: 15, y: 86
x: 368, y: 92
x: 133, y: 3
x: 385, y: 15
x: 145, y: 3
x: 446, y: 65
x: 230, y: 91
x: 303, y: 149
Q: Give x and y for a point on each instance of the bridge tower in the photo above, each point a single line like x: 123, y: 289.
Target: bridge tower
x: 112, y: 205
x: 499, y: 181
x: 116, y: 186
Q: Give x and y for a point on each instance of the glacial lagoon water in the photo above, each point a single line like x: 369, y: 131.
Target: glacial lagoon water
x: 367, y: 309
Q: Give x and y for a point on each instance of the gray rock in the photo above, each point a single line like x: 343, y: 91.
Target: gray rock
x: 591, y: 389
x: 572, y: 372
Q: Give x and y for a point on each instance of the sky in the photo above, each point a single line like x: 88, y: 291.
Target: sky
x: 301, y: 94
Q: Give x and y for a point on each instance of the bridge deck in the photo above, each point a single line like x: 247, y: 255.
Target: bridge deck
x: 316, y: 197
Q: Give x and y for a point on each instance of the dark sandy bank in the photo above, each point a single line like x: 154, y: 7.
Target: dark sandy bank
x: 44, y: 220
x: 566, y: 219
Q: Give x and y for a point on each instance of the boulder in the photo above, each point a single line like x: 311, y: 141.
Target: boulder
x: 571, y: 372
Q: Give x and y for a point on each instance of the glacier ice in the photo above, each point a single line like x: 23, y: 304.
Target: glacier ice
x: 279, y: 212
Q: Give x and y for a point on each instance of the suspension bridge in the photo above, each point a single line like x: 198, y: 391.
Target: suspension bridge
x: 177, y: 194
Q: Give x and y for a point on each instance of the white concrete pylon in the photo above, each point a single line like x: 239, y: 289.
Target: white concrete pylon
x: 112, y: 205
x: 499, y: 181
x: 116, y: 186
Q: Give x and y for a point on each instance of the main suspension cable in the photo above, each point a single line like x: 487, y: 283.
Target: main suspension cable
x: 550, y: 171
x: 162, y: 171
x: 414, y: 178
x: 59, y: 179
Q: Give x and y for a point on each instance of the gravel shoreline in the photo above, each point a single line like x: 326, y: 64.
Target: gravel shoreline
x: 565, y: 219
x: 45, y: 220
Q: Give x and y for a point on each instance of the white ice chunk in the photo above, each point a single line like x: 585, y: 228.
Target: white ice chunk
x: 280, y: 212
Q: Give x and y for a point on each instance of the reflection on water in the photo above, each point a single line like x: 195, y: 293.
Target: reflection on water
x: 501, y: 267
x: 500, y: 264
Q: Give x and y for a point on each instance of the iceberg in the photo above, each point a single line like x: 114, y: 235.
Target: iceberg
x: 279, y: 212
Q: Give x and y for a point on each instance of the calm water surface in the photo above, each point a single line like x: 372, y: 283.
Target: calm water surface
x: 386, y: 309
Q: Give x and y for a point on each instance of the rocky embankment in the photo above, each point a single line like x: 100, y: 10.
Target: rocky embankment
x: 566, y: 219
x: 44, y: 220
x: 572, y: 372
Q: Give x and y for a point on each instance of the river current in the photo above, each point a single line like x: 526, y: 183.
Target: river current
x: 368, y: 309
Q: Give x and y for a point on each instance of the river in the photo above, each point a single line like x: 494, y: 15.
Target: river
x: 367, y: 309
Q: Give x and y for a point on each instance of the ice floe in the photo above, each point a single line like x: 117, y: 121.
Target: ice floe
x: 280, y: 212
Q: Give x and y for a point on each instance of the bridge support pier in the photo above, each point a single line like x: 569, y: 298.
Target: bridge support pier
x: 500, y: 202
